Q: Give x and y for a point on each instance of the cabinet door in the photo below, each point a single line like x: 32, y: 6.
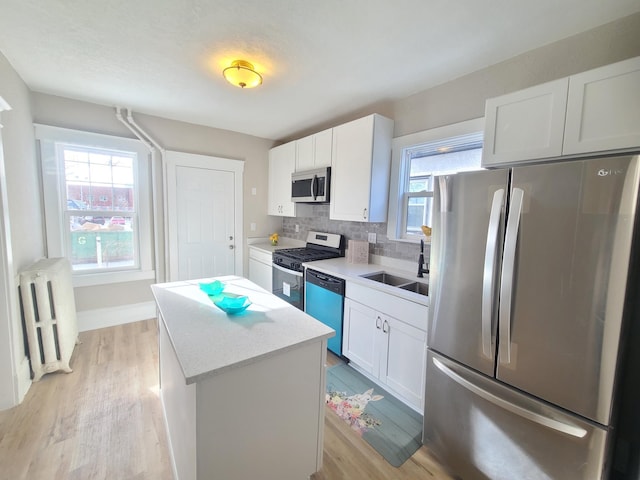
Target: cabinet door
x: 314, y: 151
x: 305, y: 153
x: 282, y: 162
x: 351, y: 170
x: 603, y: 109
x: 525, y: 125
x: 359, y: 334
x: 403, y: 362
x: 322, y: 147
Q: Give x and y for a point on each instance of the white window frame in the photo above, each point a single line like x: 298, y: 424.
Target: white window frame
x: 399, y: 148
x: 55, y: 201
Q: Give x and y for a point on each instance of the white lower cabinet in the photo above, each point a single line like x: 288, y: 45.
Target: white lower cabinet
x: 390, y: 351
x: 260, y: 268
x: 402, y: 359
x: 359, y: 334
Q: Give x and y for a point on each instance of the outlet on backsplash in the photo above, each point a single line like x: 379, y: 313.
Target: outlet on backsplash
x: 371, y: 237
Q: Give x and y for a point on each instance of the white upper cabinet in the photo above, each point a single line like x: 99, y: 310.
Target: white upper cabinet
x: 525, y: 124
x: 591, y: 112
x: 314, y: 151
x: 603, y: 109
x: 282, y: 162
x: 360, y: 169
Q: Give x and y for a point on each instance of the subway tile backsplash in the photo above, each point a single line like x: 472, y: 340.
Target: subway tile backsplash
x: 316, y: 218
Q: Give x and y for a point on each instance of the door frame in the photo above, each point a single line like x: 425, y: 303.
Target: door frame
x: 10, y: 393
x: 176, y: 159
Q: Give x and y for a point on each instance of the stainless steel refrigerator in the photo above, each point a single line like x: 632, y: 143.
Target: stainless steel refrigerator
x: 529, y: 269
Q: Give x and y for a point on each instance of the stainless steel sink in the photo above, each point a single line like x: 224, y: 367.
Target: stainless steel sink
x: 387, y: 279
x: 400, y: 282
x: 417, y: 287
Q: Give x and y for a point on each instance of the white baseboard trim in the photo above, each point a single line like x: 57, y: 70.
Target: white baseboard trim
x: 109, y: 317
x: 23, y: 379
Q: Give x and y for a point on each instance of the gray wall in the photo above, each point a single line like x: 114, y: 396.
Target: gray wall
x: 25, y: 242
x: 171, y: 135
x: 464, y: 99
x: 23, y: 177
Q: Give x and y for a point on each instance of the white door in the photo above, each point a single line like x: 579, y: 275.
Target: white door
x: 204, y: 203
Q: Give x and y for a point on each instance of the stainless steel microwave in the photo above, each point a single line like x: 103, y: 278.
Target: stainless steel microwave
x: 311, y: 186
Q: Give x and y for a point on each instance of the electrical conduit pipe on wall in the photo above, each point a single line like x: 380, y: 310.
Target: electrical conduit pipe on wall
x: 153, y: 147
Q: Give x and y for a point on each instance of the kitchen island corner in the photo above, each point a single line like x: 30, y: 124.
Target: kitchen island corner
x: 243, y: 395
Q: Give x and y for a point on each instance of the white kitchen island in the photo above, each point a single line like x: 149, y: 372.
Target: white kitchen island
x: 243, y: 395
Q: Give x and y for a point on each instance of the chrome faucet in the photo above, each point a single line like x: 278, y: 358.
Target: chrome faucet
x: 421, y: 266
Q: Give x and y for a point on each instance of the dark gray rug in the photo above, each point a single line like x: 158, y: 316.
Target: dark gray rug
x: 387, y: 424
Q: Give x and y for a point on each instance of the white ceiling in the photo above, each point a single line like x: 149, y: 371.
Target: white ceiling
x: 320, y: 59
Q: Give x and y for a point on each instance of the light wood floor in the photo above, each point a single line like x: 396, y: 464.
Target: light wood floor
x: 348, y: 457
x: 104, y: 421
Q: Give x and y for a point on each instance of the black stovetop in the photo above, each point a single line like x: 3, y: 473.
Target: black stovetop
x: 293, y: 258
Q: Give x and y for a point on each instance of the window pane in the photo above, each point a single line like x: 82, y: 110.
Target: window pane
x: 428, y: 160
x: 101, y: 182
x: 441, y: 163
x: 418, y: 213
x: 100, y: 174
x: 421, y: 183
x: 123, y: 176
x: 76, y: 171
x: 102, y: 242
x: 415, y: 213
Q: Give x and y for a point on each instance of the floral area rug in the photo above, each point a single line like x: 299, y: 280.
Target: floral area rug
x: 388, y: 425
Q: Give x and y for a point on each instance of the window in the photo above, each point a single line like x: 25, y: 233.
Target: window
x: 417, y: 158
x: 97, y: 211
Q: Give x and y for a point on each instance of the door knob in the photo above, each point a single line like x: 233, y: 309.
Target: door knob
x: 230, y: 237
x: 230, y: 247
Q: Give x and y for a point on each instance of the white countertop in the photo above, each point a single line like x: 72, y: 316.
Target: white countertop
x: 352, y: 272
x: 208, y: 342
x: 265, y: 244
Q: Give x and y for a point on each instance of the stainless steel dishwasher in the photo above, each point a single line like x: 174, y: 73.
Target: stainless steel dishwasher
x: 324, y: 301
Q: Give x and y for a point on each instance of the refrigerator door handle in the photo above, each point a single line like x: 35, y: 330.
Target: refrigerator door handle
x: 508, y: 270
x: 557, y: 425
x: 488, y: 276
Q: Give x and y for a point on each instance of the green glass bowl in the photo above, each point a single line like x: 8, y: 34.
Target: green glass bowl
x: 214, y: 288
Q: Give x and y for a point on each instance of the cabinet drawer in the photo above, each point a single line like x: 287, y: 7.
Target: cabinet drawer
x: 409, y: 312
x: 260, y: 255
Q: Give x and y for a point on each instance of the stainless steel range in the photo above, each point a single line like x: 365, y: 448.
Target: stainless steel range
x: 288, y: 272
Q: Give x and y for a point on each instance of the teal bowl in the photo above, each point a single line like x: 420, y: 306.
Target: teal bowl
x: 232, y: 304
x: 214, y: 288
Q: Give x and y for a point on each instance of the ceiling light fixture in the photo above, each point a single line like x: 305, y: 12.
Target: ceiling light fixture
x: 241, y: 74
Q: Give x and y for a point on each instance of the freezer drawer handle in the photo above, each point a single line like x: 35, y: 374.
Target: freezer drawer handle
x: 488, y: 276
x: 508, y: 269
x: 567, y: 428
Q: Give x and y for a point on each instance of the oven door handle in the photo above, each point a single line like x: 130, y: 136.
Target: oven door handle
x: 286, y: 270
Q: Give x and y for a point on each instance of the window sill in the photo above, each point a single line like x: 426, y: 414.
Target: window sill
x: 415, y: 240
x: 93, y: 279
